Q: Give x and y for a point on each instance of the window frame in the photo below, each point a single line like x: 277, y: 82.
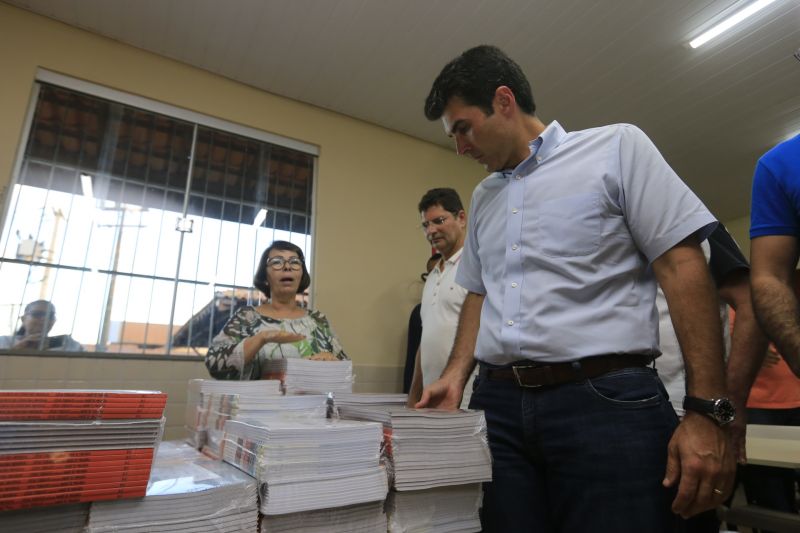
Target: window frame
x: 43, y: 75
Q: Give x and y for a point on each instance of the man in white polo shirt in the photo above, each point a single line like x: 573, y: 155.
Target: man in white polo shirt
x: 444, y: 223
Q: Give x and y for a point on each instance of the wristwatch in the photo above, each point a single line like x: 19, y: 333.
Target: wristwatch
x: 720, y: 410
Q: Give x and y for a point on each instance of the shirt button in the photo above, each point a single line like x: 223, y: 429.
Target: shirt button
x: 514, y: 247
x: 514, y: 285
x: 538, y: 159
x: 510, y: 322
x: 519, y: 177
x: 514, y: 210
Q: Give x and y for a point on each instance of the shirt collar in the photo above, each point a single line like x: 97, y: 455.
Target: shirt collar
x: 541, y: 147
x: 551, y: 138
x: 453, y: 259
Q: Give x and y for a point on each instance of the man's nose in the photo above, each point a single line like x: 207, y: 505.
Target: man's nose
x: 462, y: 147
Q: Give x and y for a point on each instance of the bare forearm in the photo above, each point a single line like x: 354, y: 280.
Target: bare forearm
x: 694, y: 309
x: 779, y: 315
x: 748, y: 348
x: 251, y: 346
x: 415, y: 391
x: 748, y: 342
x: 462, y: 357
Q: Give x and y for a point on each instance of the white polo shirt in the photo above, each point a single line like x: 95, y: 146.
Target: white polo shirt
x: 442, y: 299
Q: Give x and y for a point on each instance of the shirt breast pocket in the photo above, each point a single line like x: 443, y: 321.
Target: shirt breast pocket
x: 570, y: 226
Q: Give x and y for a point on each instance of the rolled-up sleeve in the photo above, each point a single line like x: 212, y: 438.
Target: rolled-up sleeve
x: 659, y: 207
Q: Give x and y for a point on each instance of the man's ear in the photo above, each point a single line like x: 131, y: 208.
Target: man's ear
x: 462, y: 216
x: 504, y: 101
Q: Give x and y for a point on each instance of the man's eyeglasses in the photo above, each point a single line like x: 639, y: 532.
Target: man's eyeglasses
x: 438, y: 221
x: 277, y: 263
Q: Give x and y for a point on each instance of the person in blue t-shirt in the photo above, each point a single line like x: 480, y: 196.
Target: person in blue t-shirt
x: 774, y: 232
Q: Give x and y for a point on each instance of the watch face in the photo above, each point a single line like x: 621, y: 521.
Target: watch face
x: 724, y: 411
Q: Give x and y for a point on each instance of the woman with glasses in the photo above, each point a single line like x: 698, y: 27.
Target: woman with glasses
x: 279, y: 327
x: 37, y: 321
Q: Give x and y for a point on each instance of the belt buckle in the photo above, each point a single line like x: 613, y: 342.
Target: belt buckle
x: 515, y: 369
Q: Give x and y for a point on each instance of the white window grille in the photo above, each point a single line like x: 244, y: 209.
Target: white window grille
x: 143, y: 229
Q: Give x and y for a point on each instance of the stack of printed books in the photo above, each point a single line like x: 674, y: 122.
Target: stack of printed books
x: 201, y: 393
x: 234, y: 400
x: 437, y: 461
x: 361, y: 518
x: 303, y: 465
x: 187, y: 492
x: 306, y: 376
x: 72, y: 446
x: 453, y: 509
x: 368, y: 400
x: 431, y: 447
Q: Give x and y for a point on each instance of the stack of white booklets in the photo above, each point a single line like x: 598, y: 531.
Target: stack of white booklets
x: 62, y: 518
x: 308, y: 464
x: 361, y: 518
x: 232, y: 400
x: 437, y: 460
x: 199, y: 399
x: 452, y: 509
x: 431, y: 447
x: 187, y: 492
x: 305, y: 376
x: 369, y: 400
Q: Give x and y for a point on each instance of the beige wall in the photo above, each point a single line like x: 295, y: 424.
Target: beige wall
x: 369, y: 252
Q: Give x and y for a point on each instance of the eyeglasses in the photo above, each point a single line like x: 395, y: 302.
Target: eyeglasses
x: 438, y: 221
x: 277, y: 263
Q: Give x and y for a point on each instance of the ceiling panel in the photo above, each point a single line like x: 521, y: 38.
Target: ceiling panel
x: 711, y: 111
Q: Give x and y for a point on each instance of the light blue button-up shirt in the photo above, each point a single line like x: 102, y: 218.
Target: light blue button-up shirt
x: 561, y: 246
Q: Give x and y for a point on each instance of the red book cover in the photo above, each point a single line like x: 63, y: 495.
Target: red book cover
x: 9, y: 474
x: 64, y: 456
x: 61, y: 498
x: 81, y: 414
x: 83, y: 482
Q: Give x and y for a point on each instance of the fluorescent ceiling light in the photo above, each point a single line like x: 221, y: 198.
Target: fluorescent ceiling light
x: 86, y: 185
x: 261, y: 216
x: 730, y: 22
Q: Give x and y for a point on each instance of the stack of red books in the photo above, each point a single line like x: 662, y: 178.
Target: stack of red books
x: 71, y: 446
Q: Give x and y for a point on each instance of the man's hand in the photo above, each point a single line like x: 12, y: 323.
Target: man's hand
x: 444, y: 393
x: 700, y: 460
x: 30, y: 341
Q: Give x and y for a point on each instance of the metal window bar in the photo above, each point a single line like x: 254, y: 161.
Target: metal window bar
x: 263, y: 181
x: 182, y: 235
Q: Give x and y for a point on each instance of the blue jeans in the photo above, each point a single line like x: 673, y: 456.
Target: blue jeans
x: 585, y: 456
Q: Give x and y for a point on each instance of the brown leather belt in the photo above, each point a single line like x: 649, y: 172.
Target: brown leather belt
x: 543, y: 375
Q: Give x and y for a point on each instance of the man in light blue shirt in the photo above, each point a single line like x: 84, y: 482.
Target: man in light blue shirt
x: 565, y: 242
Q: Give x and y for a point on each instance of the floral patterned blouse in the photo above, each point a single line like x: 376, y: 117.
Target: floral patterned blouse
x: 225, y: 357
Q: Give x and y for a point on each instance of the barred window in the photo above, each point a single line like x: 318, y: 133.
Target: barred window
x: 142, y: 230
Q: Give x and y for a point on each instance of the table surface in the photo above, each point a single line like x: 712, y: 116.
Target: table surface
x: 773, y: 445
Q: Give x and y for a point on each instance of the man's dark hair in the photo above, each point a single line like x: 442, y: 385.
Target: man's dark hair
x: 474, y: 76
x: 444, y: 196
x: 260, y: 278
